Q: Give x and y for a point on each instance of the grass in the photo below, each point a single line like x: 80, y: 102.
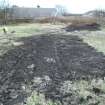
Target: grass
x: 96, y: 40
x: 82, y: 89
x: 22, y: 30
x: 36, y: 99
x: 86, y: 89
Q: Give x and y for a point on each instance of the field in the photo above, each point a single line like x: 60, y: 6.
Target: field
x: 42, y: 64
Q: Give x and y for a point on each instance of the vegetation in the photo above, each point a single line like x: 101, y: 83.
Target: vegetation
x: 14, y: 32
x: 97, y: 40
x: 22, y: 30
x: 88, y: 92
x: 68, y: 19
x: 36, y: 99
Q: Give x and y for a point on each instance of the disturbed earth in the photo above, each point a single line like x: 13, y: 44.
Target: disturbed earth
x: 43, y: 63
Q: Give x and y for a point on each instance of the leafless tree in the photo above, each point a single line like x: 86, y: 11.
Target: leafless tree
x: 60, y: 11
x: 4, y: 9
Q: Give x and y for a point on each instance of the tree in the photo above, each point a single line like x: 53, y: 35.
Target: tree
x: 38, y: 6
x: 60, y: 9
x: 4, y: 9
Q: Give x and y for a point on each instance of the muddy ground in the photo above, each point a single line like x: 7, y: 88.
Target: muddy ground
x: 44, y: 63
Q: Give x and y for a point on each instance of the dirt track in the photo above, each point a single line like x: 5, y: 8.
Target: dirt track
x: 50, y: 59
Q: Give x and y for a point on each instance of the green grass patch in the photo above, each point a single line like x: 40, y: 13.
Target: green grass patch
x: 22, y: 30
x: 92, y: 92
x: 97, y: 41
x: 39, y: 99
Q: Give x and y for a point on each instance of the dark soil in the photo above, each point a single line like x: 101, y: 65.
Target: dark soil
x: 83, y: 26
x: 54, y: 59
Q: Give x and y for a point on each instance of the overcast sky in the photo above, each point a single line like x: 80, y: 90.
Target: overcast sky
x: 73, y: 6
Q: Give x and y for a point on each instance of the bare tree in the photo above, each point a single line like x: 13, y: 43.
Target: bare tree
x: 60, y: 11
x: 4, y: 8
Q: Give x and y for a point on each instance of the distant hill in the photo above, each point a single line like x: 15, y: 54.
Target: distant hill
x: 95, y: 13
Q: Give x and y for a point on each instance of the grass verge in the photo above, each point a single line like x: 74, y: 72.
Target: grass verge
x: 96, y: 40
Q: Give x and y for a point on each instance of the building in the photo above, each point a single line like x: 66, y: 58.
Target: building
x: 31, y: 13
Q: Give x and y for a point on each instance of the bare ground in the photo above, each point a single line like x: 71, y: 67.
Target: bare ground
x: 43, y: 63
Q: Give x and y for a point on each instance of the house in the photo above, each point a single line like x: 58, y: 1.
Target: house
x: 31, y: 13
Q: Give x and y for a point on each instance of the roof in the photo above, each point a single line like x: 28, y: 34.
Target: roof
x: 32, y: 12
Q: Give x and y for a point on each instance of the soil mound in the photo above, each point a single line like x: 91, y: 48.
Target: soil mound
x: 83, y: 26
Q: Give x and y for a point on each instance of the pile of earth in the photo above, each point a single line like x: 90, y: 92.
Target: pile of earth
x: 45, y: 63
x: 83, y: 26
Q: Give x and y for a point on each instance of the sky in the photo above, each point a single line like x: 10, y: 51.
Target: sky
x: 73, y: 6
